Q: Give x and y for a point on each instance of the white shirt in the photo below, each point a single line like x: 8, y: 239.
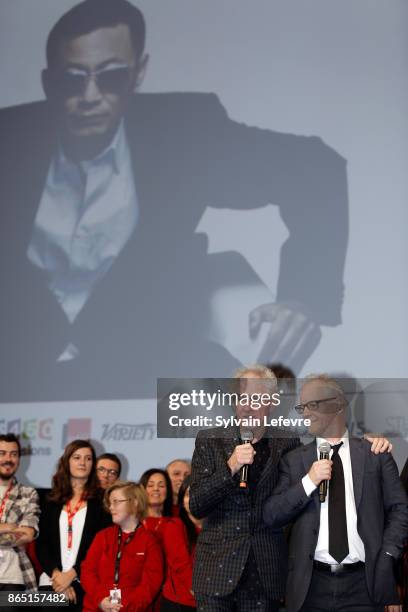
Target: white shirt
x: 87, y: 213
x: 68, y: 555
x: 356, y: 546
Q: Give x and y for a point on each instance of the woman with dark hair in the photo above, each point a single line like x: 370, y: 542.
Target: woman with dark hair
x: 159, y: 499
x: 159, y: 493
x: 71, y: 516
x: 179, y: 541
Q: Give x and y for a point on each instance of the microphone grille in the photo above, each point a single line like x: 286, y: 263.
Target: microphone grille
x: 247, y: 435
x: 324, y: 448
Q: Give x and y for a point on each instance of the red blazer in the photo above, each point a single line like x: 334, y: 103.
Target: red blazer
x: 179, y: 564
x: 141, y: 570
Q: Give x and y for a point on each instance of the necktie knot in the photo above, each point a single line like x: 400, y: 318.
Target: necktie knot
x: 336, y: 448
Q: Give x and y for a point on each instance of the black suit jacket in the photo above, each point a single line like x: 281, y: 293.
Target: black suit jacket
x: 48, y: 546
x: 150, y: 314
x: 382, y: 518
x: 233, y: 521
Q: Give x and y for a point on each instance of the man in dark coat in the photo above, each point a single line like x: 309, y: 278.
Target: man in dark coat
x: 343, y: 544
x: 105, y: 283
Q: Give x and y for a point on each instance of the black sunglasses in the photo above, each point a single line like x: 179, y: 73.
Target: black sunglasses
x: 73, y: 82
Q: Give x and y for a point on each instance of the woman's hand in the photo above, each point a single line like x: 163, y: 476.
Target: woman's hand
x: 62, y: 580
x: 107, y: 606
x: 71, y: 595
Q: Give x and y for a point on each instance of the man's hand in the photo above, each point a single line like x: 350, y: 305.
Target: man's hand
x: 292, y: 336
x: 18, y: 536
x: 62, y: 580
x: 243, y: 454
x: 393, y: 608
x: 23, y: 535
x: 7, y: 527
x: 378, y: 444
x: 320, y: 470
x: 12, y: 535
x: 107, y: 606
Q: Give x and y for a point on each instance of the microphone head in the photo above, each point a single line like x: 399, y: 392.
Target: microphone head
x: 324, y: 448
x: 247, y: 435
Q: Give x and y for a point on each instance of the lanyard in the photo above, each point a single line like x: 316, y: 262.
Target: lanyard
x: 71, y: 518
x: 120, y: 552
x: 5, y: 498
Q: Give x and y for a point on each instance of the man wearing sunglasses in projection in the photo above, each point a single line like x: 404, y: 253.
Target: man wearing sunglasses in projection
x: 103, y: 189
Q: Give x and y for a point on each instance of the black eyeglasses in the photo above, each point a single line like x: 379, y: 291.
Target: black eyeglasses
x: 111, y: 473
x: 74, y: 81
x: 313, y: 405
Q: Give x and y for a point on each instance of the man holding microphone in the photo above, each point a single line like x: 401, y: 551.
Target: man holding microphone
x: 343, y: 543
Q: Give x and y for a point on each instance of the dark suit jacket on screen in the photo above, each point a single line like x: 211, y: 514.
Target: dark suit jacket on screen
x: 233, y: 519
x: 149, y: 315
x: 382, y: 518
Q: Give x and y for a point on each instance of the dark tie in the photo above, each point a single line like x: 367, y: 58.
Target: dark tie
x: 338, y: 540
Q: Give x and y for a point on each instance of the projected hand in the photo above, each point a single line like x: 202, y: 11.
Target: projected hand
x: 292, y: 336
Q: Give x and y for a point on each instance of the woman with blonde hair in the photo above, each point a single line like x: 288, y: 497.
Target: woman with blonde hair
x: 123, y: 569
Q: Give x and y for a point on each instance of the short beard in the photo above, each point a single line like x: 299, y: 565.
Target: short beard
x: 6, y: 476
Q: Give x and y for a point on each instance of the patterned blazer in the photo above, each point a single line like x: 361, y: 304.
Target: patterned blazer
x: 233, y: 518
x: 22, y: 507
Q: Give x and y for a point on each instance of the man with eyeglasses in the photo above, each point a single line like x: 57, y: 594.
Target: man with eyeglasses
x: 108, y: 469
x: 102, y: 192
x: 344, y: 541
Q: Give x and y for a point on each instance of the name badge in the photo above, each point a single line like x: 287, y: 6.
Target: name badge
x: 115, y: 596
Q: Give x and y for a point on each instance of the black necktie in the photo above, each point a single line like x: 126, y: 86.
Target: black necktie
x: 338, y: 540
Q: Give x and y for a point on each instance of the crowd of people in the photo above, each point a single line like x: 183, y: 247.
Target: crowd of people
x: 188, y: 537
x: 107, y: 544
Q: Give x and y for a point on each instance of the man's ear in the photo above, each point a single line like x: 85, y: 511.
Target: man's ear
x: 141, y: 70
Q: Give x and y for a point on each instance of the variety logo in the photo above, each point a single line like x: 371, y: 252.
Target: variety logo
x: 126, y: 432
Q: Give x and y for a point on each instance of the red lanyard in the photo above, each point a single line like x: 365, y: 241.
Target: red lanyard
x: 5, y: 498
x: 71, y: 518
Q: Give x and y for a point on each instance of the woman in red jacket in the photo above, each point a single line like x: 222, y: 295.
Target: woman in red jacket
x: 123, y: 569
x: 159, y: 493
x: 179, y: 541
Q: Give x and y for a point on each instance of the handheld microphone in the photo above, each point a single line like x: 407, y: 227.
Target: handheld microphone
x: 324, y: 453
x: 246, y: 436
